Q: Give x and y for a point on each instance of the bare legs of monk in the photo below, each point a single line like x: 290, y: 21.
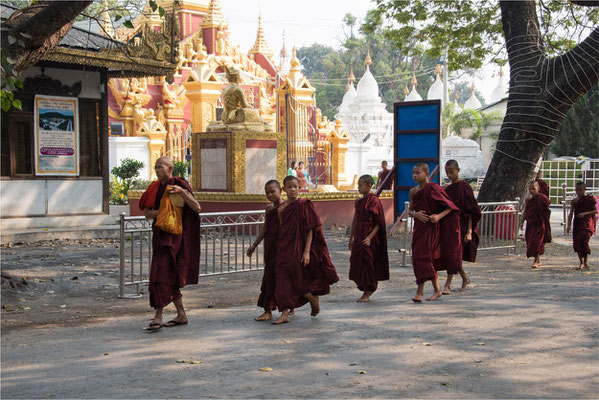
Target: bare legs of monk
x: 537, y: 262
x: 180, y: 319
x: 420, y: 292
x: 267, y: 316
x: 584, y: 262
x: 465, y: 282
x: 314, y: 303
x: 365, y: 297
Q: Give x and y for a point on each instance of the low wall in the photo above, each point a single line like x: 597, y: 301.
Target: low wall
x: 334, y: 209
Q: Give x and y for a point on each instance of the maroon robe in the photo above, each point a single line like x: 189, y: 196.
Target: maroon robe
x: 538, y: 227
x: 271, y: 234
x: 175, y: 258
x: 382, y: 175
x: 369, y: 264
x: 543, y: 187
x: 293, y: 279
x: 435, y: 247
x: 583, y: 227
x: 462, y: 196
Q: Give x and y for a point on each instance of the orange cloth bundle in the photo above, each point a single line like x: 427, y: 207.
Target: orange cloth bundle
x: 169, y: 217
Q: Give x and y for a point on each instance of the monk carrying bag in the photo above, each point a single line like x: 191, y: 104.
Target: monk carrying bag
x: 169, y: 217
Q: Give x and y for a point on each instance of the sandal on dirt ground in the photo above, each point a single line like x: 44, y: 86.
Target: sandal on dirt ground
x: 153, y: 327
x: 172, y: 323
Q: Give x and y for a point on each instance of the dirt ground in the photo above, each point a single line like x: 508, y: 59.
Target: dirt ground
x: 516, y: 333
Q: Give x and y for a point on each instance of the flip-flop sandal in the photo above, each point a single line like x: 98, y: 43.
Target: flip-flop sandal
x: 172, y: 323
x: 153, y: 327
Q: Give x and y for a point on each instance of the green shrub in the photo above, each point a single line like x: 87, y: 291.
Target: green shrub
x: 122, y: 178
x: 180, y: 169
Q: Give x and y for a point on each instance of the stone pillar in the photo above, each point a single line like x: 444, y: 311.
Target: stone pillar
x: 338, y: 138
x: 203, y: 89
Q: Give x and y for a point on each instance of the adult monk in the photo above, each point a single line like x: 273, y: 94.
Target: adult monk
x: 382, y: 175
x: 369, y: 261
x: 583, y: 208
x: 304, y: 269
x: 436, y: 235
x: 175, y: 258
x: 538, y: 228
x: 461, y: 194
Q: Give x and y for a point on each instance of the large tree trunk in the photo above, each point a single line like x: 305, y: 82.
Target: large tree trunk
x: 542, y: 90
x: 33, y: 31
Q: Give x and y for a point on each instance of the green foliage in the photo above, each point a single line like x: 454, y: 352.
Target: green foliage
x: 122, y: 179
x: 479, y: 121
x: 180, y: 169
x: 139, y: 184
x: 579, y: 134
x: 328, y: 69
x: 471, y: 30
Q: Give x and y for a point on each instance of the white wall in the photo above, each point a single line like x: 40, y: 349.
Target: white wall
x: 260, y: 167
x: 213, y: 168
x: 129, y: 147
x: 90, y: 80
x: 23, y: 198
x: 355, y: 160
x: 487, y: 143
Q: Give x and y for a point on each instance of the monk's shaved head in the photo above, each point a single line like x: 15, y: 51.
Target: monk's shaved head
x: 533, y: 183
x: 166, y: 160
x: 452, y: 163
x: 422, y: 166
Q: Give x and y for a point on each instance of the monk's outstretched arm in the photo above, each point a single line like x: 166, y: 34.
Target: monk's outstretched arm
x: 468, y: 236
x: 259, y: 238
x: 523, y: 214
x: 434, y: 218
x: 306, y: 256
x: 353, y: 229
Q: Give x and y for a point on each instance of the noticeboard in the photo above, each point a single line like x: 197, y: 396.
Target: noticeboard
x: 417, y: 132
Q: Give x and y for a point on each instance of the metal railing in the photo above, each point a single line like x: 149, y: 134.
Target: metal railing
x: 567, y: 197
x: 224, y: 239
x: 497, y: 229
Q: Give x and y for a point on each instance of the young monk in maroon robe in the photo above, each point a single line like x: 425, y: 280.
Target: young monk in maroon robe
x: 461, y: 194
x: 583, y: 208
x: 538, y: 228
x: 369, y: 261
x: 383, y: 173
x: 175, y: 258
x: 304, y: 269
x: 543, y: 186
x: 436, y: 235
x: 270, y: 234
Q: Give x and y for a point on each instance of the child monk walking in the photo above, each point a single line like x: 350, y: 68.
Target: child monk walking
x: 270, y: 233
x: 369, y: 261
x: 538, y: 228
x: 583, y: 208
x: 304, y: 269
x: 461, y: 194
x: 436, y: 235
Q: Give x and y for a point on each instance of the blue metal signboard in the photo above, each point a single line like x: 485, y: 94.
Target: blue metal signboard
x: 417, y: 132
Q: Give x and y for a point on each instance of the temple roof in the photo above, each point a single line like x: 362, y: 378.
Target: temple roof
x: 368, y: 88
x: 500, y: 90
x: 472, y: 101
x: 260, y: 46
x: 435, y: 92
x: 214, y: 17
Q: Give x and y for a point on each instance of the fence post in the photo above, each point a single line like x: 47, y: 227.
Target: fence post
x: 517, y: 227
x: 122, y: 256
x: 406, y: 227
x: 564, y: 211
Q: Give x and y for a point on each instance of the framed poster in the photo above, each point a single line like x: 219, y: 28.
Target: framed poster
x: 56, y: 135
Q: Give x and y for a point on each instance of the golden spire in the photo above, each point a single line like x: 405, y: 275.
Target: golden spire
x: 472, y: 87
x: 283, y: 54
x: 438, y: 69
x: 500, y: 71
x: 107, y: 27
x: 214, y: 17
x: 406, y: 91
x: 294, y: 61
x: 260, y: 46
x: 351, y: 78
x: 455, y: 96
x: 414, y: 81
x: 367, y: 60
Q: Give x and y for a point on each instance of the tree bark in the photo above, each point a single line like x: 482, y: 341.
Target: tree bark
x: 542, y: 90
x: 33, y: 31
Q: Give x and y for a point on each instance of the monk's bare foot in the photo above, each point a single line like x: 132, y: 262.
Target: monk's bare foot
x: 315, y: 304
x: 534, y: 266
x: 435, y: 296
x: 586, y: 266
x: 465, y: 285
x: 418, y: 298
x: 291, y: 311
x: 283, y: 319
x: 264, y: 317
x: 365, y: 298
x: 446, y: 290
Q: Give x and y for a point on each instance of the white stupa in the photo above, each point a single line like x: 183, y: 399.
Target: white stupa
x: 472, y: 101
x: 368, y: 123
x: 466, y: 152
x: 435, y: 92
x: 456, y: 106
x: 413, y: 95
x: 500, y: 91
